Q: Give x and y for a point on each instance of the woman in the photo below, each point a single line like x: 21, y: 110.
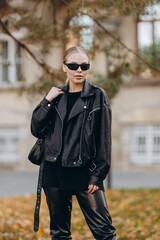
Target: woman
x: 75, y: 121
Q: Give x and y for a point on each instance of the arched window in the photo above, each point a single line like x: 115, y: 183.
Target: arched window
x: 81, y: 27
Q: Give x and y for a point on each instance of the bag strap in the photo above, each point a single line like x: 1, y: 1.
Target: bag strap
x: 38, y: 200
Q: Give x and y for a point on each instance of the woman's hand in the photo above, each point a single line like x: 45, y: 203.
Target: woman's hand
x: 92, y: 188
x: 53, y: 93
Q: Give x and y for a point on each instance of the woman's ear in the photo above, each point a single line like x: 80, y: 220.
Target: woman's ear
x: 63, y: 67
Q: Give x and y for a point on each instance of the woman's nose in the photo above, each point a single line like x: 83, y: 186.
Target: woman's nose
x: 79, y: 69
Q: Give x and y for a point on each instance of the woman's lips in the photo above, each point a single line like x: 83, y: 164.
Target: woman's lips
x: 78, y: 76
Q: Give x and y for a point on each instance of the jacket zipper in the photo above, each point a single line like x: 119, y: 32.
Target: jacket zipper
x: 89, y: 117
x: 61, y: 128
x: 80, y: 155
x: 94, y: 146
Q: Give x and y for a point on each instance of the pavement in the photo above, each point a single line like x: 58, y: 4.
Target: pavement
x: 13, y: 183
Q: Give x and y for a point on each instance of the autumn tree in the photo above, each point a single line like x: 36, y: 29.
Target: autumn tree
x: 81, y: 18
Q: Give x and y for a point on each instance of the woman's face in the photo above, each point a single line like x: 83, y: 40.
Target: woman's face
x: 76, y: 76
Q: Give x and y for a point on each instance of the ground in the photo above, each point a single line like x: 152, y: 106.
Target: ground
x: 135, y: 213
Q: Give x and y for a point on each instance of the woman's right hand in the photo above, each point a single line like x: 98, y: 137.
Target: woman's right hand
x: 53, y: 93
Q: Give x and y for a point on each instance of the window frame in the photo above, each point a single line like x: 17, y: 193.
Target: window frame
x: 13, y: 80
x: 152, y: 22
x: 86, y: 24
x: 145, y: 155
x: 10, y: 150
x: 151, y: 17
x: 153, y: 49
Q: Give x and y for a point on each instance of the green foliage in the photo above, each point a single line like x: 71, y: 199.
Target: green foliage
x: 110, y: 84
x: 48, y: 30
x: 44, y: 83
x: 152, y: 54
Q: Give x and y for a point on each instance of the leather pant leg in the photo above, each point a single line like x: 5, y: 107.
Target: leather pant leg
x: 95, y: 210
x: 60, y: 206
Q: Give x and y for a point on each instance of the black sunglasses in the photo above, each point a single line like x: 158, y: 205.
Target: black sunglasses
x: 75, y: 66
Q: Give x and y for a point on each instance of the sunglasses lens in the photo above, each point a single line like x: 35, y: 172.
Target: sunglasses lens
x: 72, y: 66
x: 75, y: 66
x: 85, y: 66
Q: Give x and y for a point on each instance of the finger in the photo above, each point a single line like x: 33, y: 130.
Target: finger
x: 92, y: 188
x: 53, y: 93
x: 60, y: 90
x: 56, y: 91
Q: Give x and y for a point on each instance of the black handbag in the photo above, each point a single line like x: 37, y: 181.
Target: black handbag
x: 36, y: 153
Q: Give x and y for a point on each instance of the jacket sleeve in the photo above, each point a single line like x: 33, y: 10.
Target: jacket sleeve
x: 41, y: 117
x: 103, y: 143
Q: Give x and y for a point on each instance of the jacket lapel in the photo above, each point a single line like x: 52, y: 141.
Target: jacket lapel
x: 62, y: 106
x: 82, y: 103
x: 79, y: 106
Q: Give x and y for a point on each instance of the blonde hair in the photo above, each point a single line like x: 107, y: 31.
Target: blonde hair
x: 71, y: 50
x: 74, y: 49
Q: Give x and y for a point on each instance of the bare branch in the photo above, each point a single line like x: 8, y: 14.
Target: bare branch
x: 20, y: 43
x: 47, y: 69
x: 125, y: 46
x: 117, y: 39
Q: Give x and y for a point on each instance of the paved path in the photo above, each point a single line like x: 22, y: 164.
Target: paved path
x: 14, y: 183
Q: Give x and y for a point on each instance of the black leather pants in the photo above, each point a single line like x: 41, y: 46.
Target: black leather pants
x: 93, y: 206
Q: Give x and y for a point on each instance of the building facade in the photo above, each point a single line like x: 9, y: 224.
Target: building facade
x: 136, y: 115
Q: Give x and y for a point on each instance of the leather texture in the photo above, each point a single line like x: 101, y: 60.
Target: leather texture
x: 36, y: 153
x: 38, y: 199
x: 88, y: 135
x: 93, y: 206
x: 89, y: 141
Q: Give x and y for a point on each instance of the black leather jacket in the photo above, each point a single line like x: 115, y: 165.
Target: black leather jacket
x: 87, y: 139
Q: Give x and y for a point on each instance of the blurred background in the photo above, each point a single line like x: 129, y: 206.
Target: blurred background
x: 123, y: 40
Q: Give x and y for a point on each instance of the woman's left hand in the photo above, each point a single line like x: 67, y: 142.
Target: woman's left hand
x: 92, y: 188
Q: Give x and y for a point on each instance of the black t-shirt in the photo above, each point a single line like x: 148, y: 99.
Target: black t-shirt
x: 66, y: 178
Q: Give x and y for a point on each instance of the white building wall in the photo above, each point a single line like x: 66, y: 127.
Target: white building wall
x: 133, y: 106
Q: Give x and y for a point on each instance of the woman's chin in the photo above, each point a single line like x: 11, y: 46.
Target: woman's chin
x: 78, y: 80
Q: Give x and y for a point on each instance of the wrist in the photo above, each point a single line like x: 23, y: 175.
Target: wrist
x: 49, y: 98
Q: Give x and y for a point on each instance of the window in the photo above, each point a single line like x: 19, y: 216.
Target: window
x: 84, y: 25
x: 9, y: 145
x: 10, y: 62
x: 149, y: 34
x: 145, y: 144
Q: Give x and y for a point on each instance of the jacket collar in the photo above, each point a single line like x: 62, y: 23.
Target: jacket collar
x: 81, y: 103
x: 87, y: 91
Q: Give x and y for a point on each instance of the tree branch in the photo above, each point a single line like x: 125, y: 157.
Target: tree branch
x: 45, y: 67
x: 115, y: 38
x: 125, y: 46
